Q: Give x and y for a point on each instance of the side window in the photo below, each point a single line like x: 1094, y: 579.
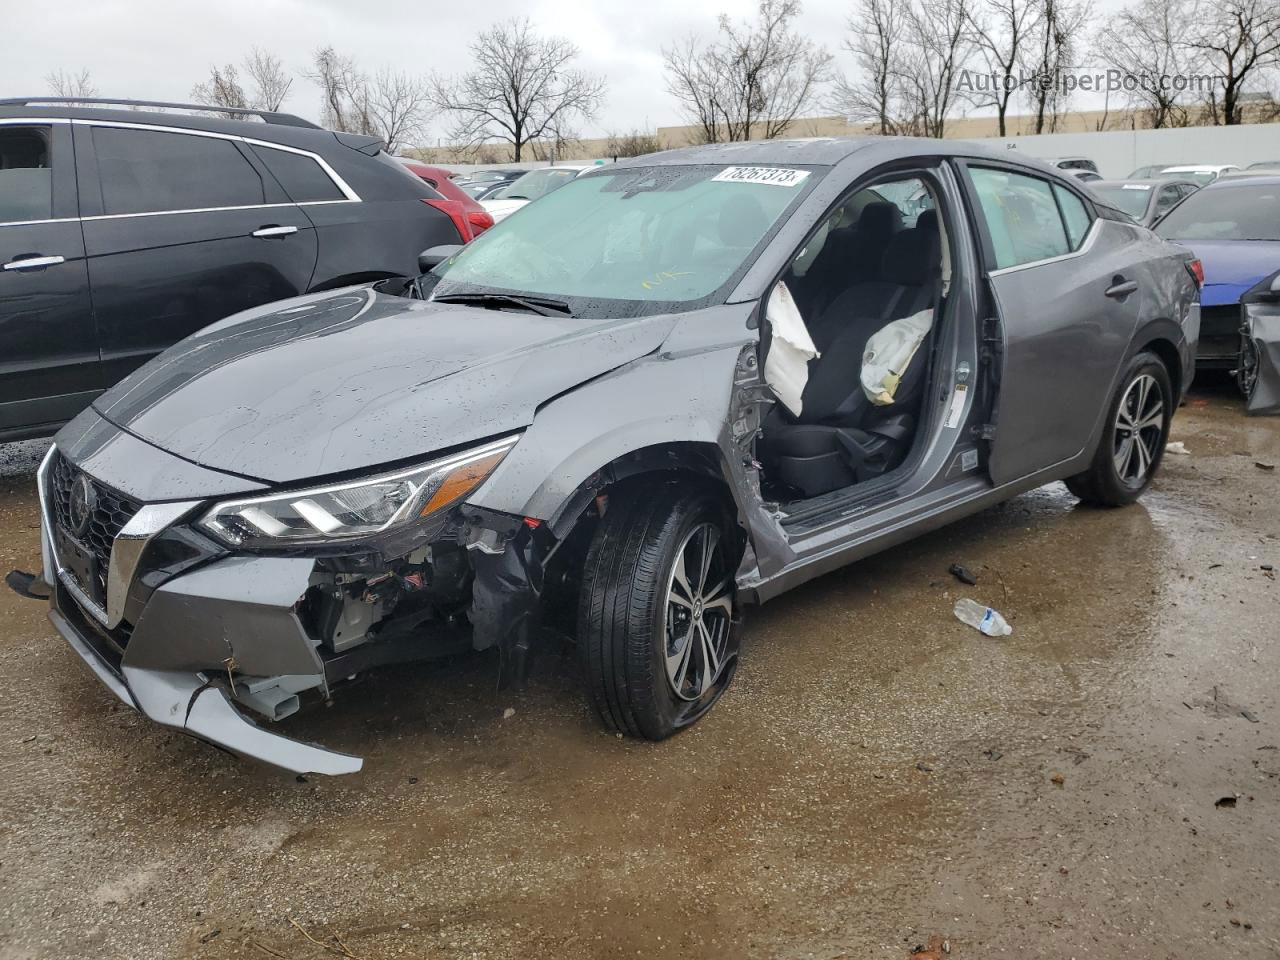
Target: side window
x: 1074, y: 214
x: 303, y: 179
x: 1168, y: 197
x: 145, y: 171
x: 26, y: 174
x: 1021, y: 216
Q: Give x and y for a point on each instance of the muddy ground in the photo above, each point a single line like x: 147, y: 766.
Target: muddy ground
x: 1104, y: 783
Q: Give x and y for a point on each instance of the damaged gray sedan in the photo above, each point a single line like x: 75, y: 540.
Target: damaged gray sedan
x: 676, y: 386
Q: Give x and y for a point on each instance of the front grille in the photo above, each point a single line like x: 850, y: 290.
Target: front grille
x: 110, y: 513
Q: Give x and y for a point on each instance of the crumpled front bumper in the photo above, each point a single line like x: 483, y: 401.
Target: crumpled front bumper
x: 232, y: 615
x: 190, y: 703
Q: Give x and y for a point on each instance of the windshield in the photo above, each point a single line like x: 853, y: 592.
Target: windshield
x: 535, y: 184
x: 630, y: 241
x: 1226, y: 213
x: 1201, y: 177
x: 1129, y: 197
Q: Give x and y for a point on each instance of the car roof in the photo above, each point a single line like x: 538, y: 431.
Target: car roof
x: 1234, y: 183
x: 301, y: 134
x: 827, y: 152
x: 1141, y: 182
x: 1197, y: 167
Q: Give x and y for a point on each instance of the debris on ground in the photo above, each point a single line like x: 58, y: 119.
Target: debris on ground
x: 1177, y: 447
x: 1216, y: 704
x: 1077, y: 755
x: 936, y: 949
x: 1264, y: 466
x: 1057, y: 779
x: 508, y: 713
x: 924, y: 768
x: 992, y: 754
x: 962, y: 574
x: 1225, y: 802
x: 982, y: 618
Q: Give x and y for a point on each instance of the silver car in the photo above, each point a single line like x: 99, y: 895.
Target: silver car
x: 677, y: 385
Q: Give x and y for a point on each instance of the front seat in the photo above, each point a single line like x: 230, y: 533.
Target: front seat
x: 840, y: 437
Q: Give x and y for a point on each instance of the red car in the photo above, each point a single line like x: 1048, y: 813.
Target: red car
x: 469, y: 217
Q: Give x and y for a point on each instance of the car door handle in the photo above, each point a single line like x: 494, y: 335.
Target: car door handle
x: 274, y: 230
x: 33, y: 262
x: 1121, y: 288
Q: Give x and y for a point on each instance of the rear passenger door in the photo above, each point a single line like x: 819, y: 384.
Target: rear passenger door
x: 48, y: 348
x: 181, y: 229
x: 1066, y: 295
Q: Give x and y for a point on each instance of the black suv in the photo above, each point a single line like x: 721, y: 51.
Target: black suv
x: 124, y: 230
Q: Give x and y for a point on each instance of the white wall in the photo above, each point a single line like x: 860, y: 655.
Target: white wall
x: 1117, y: 152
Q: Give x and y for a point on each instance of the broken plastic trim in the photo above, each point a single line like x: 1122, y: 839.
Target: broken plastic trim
x: 1258, y: 371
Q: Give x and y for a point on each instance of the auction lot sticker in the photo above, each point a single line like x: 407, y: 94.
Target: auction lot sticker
x: 773, y: 176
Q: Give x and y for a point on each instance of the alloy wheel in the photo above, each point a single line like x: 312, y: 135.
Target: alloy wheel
x: 1139, y: 430
x: 698, y: 614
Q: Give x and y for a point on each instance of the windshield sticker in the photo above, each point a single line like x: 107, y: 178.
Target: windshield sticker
x: 1136, y: 186
x: 773, y: 176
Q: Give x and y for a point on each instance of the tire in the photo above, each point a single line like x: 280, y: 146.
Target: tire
x: 1122, y: 468
x: 657, y: 655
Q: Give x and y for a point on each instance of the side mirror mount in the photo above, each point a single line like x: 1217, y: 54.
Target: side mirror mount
x: 432, y: 257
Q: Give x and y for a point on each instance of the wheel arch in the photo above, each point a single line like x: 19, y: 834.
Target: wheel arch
x: 1162, y: 337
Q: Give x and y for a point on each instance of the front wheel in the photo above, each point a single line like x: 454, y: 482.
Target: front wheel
x: 657, y: 620
x: 1133, y: 439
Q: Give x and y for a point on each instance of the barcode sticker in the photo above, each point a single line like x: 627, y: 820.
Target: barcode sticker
x: 772, y: 176
x: 957, y: 406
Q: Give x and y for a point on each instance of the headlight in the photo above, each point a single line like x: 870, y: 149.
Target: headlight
x: 357, y: 509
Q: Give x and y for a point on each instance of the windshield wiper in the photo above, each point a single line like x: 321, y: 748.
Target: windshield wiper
x: 544, y: 306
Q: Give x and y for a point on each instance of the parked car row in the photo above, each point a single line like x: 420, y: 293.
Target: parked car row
x: 1229, y: 216
x: 124, y: 230
x: 669, y: 387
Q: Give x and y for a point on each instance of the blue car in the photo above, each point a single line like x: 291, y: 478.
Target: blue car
x: 1233, y: 226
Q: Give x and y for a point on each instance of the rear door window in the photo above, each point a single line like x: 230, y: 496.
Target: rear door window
x: 146, y: 171
x: 1021, y: 216
x: 304, y: 180
x: 26, y: 174
x: 1075, y: 216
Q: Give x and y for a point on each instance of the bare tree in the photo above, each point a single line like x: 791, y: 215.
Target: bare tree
x: 65, y: 84
x: 1149, y: 41
x: 1059, y: 25
x: 1001, y: 31
x: 1239, y: 40
x: 634, y: 144
x: 271, y: 85
x: 222, y: 89
x: 752, y: 79
x: 392, y: 106
x: 397, y: 107
x: 938, y: 49
x: 875, y: 93
x: 522, y: 88
x: 341, y: 88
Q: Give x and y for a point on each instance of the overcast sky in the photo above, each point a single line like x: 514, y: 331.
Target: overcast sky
x: 157, y: 49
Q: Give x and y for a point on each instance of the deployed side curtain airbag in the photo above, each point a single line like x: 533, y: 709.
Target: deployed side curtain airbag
x: 786, y: 368
x: 888, y: 353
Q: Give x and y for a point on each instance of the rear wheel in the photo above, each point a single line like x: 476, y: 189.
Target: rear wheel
x: 1133, y: 441
x: 657, y: 623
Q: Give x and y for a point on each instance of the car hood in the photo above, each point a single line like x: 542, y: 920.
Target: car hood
x: 501, y: 209
x: 355, y: 379
x: 1233, y: 266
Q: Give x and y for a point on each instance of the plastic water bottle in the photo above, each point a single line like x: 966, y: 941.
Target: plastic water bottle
x: 982, y: 618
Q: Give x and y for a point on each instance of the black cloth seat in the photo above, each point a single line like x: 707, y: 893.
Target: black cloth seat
x: 840, y: 437
x: 848, y: 255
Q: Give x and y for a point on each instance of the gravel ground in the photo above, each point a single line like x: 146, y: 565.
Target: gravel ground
x: 1103, y: 783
